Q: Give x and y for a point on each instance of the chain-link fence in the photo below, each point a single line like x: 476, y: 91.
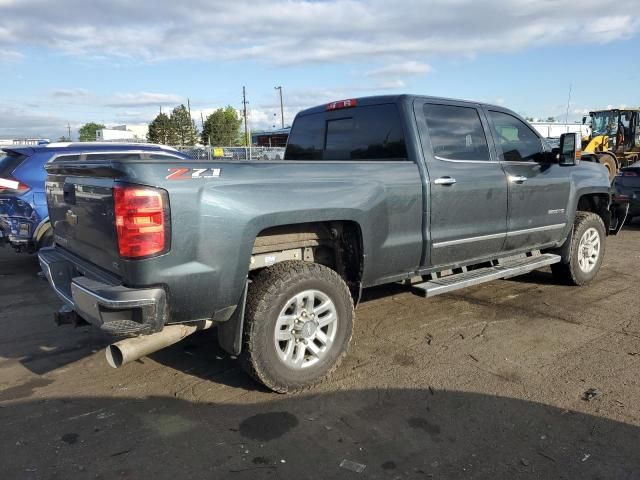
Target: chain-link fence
x: 232, y: 153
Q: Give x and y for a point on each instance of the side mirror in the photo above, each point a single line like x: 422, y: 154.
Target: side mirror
x: 584, y: 120
x: 570, y: 150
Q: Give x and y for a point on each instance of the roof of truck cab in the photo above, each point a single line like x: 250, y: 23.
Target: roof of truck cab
x: 382, y: 99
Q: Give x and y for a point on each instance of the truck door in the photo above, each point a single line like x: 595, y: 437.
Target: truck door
x: 538, y: 187
x: 467, y: 199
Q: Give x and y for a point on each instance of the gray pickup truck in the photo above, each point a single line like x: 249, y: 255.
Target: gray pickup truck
x: 439, y: 194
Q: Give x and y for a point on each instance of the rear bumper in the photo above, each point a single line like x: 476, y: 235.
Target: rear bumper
x: 19, y: 219
x: 99, y: 299
x: 17, y: 230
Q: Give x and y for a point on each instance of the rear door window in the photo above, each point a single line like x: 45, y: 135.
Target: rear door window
x: 362, y: 133
x: 456, y: 133
x: 306, y: 140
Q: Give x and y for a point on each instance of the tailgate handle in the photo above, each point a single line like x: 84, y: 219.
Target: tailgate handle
x: 69, y: 193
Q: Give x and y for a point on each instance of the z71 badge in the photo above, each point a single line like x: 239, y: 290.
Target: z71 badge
x: 190, y: 173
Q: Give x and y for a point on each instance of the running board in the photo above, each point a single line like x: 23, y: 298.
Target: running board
x: 505, y: 268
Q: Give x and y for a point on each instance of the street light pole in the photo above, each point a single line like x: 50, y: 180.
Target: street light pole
x: 279, y: 88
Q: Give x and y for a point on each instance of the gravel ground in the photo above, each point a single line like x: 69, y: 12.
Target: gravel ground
x: 486, y: 382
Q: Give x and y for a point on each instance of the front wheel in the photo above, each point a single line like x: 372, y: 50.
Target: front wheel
x: 298, y: 325
x: 586, y: 252
x: 609, y: 161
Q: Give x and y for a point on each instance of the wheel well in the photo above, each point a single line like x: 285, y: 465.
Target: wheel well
x: 335, y: 244
x: 597, y: 203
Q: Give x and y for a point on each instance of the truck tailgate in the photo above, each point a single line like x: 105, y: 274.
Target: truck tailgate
x: 82, y: 215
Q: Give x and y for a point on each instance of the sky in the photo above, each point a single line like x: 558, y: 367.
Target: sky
x: 70, y: 62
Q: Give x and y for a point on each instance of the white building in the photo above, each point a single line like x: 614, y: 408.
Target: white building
x: 10, y: 142
x: 555, y: 129
x: 123, y: 133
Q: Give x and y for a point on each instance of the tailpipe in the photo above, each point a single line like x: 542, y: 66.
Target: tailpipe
x: 130, y: 349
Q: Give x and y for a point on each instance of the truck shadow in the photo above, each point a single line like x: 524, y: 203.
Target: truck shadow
x: 391, y: 433
x: 29, y: 334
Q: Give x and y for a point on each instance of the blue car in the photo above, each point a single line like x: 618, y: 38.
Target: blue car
x: 627, y: 184
x: 24, y: 219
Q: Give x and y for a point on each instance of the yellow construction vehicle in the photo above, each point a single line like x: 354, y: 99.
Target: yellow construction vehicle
x: 614, y: 140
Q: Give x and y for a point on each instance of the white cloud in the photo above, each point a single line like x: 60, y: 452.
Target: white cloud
x: 401, y: 69
x: 10, y: 56
x: 144, y: 99
x: 299, y: 31
x: 70, y: 92
x: 21, y: 122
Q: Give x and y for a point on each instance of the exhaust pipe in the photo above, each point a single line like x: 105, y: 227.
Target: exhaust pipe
x: 130, y: 349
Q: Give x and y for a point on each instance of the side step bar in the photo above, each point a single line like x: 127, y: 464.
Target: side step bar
x: 506, y: 268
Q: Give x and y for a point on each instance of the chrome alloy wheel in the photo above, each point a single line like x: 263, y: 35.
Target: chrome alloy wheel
x: 305, y: 329
x: 589, y: 250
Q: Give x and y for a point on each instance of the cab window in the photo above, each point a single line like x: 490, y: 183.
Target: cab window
x: 456, y: 133
x: 363, y: 133
x: 518, y: 142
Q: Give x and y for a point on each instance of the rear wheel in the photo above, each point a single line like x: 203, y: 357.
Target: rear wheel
x: 299, y: 321
x: 586, y: 252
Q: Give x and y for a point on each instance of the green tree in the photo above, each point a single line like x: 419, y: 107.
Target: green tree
x: 551, y: 119
x: 64, y: 139
x: 87, y: 132
x: 161, y: 130
x: 183, y: 126
x: 221, y: 128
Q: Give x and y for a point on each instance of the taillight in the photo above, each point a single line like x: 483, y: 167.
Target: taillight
x: 142, y: 221
x: 339, y: 105
x: 628, y: 173
x: 11, y: 185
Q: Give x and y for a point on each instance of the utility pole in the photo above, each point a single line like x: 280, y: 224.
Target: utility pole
x: 160, y: 109
x: 202, y: 125
x: 244, y: 115
x: 69, y: 131
x: 279, y: 88
x: 190, y: 119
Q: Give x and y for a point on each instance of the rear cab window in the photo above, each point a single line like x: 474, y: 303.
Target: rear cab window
x: 372, y: 132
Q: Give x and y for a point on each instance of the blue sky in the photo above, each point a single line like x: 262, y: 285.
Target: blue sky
x: 116, y: 62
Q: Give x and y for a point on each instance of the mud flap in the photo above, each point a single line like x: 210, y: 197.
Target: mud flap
x: 618, y: 211
x: 230, y: 332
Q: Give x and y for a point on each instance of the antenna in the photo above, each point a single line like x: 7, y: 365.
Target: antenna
x: 566, y: 118
x: 279, y: 88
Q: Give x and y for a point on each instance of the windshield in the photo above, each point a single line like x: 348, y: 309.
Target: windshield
x: 603, y: 123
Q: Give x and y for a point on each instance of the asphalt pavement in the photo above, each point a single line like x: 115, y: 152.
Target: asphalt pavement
x: 488, y: 382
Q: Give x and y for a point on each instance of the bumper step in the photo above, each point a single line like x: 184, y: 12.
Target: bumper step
x: 506, y: 268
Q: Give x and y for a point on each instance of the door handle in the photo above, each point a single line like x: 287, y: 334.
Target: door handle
x: 517, y: 178
x: 444, y: 181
